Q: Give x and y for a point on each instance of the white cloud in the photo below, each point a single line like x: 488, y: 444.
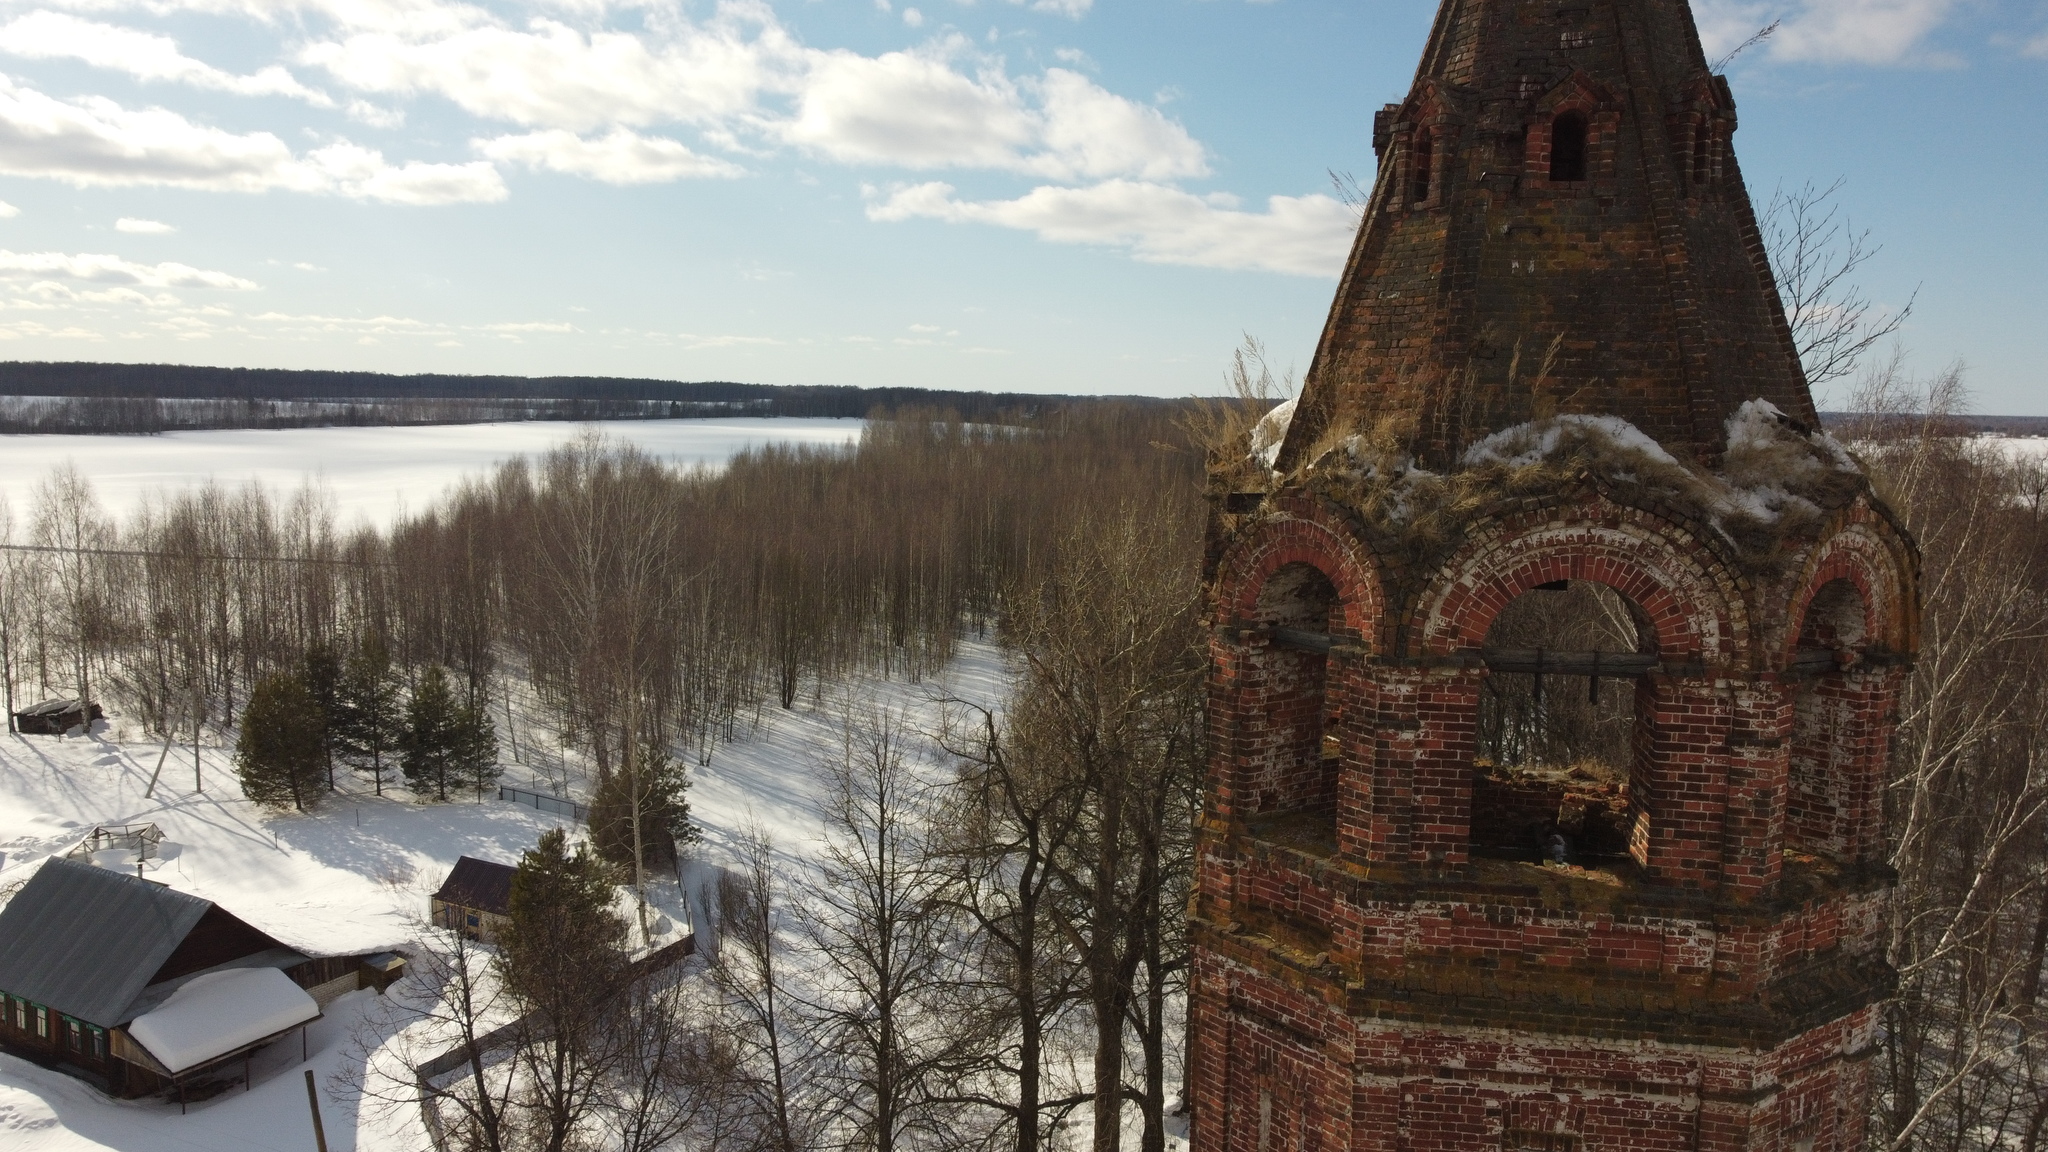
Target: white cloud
x: 131, y: 224
x: 619, y: 157
x: 1827, y: 31
x: 363, y: 174
x: 54, y: 294
x: 915, y: 110
x: 1072, y: 9
x: 913, y: 17
x: 937, y: 106
x: 551, y: 75
x: 1299, y: 235
x: 2037, y: 47
x: 1092, y: 132
x: 94, y: 141
x: 8, y: 211
x: 585, y: 96
x: 98, y: 268
x: 1859, y: 31
x: 364, y: 112
x: 48, y: 35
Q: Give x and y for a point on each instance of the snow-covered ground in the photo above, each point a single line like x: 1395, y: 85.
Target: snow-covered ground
x: 373, y: 473
x: 2019, y: 447
x: 354, y: 877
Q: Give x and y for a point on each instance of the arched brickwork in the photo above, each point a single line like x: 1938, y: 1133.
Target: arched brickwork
x: 1679, y: 779
x: 1286, y: 722
x: 1688, y: 597
x: 1594, y: 102
x: 1865, y: 555
x: 1303, y: 533
x: 1840, y: 718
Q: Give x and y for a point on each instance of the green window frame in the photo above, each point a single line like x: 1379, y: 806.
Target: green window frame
x: 42, y: 1015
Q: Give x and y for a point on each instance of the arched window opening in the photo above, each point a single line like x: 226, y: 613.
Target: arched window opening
x: 1298, y: 779
x: 1556, y: 726
x: 1421, y: 161
x: 1702, y: 152
x: 1568, y: 147
x: 1834, y: 618
x: 1823, y: 795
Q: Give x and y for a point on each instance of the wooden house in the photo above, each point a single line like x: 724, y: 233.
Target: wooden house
x: 476, y: 899
x: 56, y: 717
x: 139, y: 988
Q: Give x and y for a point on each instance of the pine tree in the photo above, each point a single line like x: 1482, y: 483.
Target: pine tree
x: 562, y: 929
x: 431, y: 744
x: 368, y: 724
x: 279, y: 752
x: 664, y: 811
x: 562, y: 957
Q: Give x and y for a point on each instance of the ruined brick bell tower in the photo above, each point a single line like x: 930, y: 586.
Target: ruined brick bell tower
x: 1555, y: 651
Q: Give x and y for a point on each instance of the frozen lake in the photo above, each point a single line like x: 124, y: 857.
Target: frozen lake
x: 373, y: 474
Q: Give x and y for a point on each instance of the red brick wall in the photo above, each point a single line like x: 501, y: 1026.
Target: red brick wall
x: 1393, y: 993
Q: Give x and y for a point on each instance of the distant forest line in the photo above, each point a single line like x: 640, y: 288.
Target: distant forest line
x: 78, y: 397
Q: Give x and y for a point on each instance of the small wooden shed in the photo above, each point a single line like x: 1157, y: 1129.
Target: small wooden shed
x: 56, y: 717
x: 476, y: 899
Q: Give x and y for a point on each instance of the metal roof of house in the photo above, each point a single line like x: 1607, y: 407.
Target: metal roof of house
x: 85, y: 940
x: 479, y: 884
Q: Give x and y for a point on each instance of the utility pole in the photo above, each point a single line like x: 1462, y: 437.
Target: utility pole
x: 313, y: 1102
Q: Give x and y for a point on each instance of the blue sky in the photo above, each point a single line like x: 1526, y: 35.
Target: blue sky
x: 1039, y: 195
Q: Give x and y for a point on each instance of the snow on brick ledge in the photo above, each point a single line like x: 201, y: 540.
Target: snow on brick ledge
x: 219, y: 1012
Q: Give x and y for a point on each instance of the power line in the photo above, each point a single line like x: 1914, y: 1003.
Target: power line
x: 189, y: 556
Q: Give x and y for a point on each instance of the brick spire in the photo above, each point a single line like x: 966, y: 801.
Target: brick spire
x: 1558, y: 189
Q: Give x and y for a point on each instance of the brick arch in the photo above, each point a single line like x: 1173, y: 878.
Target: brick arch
x: 1303, y: 535
x: 1861, y: 555
x: 1588, y: 97
x: 1687, y: 596
x: 1428, y: 115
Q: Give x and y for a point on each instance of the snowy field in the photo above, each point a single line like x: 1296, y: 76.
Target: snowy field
x: 354, y: 877
x: 373, y: 473
x: 2020, y: 446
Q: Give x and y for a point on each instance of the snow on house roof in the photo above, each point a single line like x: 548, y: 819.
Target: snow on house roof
x: 219, y: 1012
x: 56, y: 707
x: 479, y: 884
x: 86, y: 940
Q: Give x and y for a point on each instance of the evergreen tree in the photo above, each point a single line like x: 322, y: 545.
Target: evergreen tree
x: 664, y: 811
x: 562, y: 929
x: 279, y: 752
x: 368, y: 723
x: 431, y: 742
x: 320, y: 670
x: 563, y: 958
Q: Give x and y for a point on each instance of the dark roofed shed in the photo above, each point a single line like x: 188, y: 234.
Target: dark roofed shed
x: 480, y: 884
x: 476, y: 899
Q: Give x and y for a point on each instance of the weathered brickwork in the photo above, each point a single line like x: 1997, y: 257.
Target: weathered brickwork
x: 1364, y: 980
x: 1642, y: 287
x: 1369, y: 972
